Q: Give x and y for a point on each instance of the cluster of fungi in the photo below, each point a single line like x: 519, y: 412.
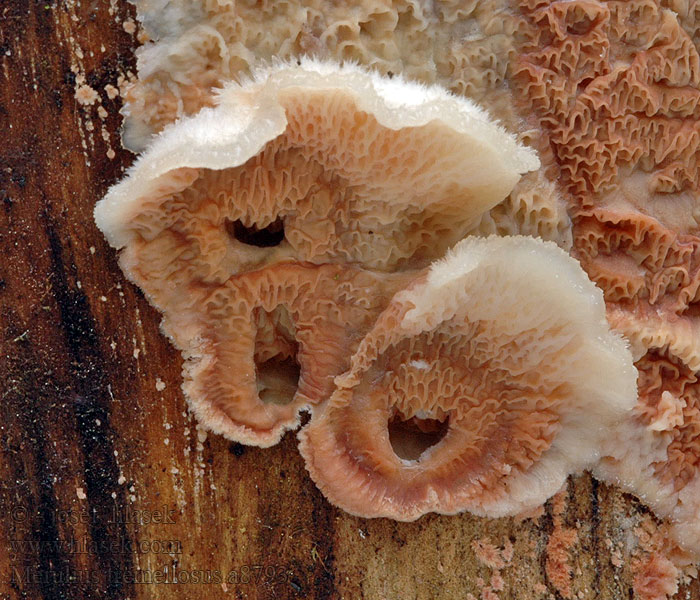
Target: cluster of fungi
x: 469, y: 310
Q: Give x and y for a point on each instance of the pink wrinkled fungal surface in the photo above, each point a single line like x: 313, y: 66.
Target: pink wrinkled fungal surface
x: 286, y: 227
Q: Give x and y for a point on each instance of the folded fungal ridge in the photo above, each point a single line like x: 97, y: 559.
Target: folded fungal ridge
x: 481, y: 387
x: 272, y: 229
x: 616, y: 89
x: 192, y: 49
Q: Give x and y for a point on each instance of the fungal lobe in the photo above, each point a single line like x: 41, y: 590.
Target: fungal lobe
x: 505, y: 384
x: 272, y: 229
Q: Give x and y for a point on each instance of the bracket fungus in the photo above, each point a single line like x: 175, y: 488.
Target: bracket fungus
x: 284, y: 231
x: 310, y: 185
x: 481, y: 387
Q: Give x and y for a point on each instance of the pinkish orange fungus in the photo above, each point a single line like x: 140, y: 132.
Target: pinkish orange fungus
x: 269, y: 343
x: 670, y: 401
x: 238, y: 236
x: 273, y: 229
x: 470, y: 391
x: 650, y: 275
x: 615, y: 87
x: 656, y: 578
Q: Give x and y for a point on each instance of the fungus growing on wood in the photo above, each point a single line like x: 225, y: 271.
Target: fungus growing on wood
x: 466, y: 48
x: 481, y: 387
x: 616, y: 89
x: 362, y: 176
x: 657, y: 454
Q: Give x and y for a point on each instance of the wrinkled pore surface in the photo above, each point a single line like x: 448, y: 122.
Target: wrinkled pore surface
x: 450, y: 383
x: 609, y: 88
x: 494, y: 381
x: 616, y: 88
x: 467, y: 47
x: 269, y: 342
x: 670, y: 404
x: 334, y: 187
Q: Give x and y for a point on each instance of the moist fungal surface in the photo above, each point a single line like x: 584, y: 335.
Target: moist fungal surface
x: 492, y: 351
x: 608, y: 94
x: 273, y: 229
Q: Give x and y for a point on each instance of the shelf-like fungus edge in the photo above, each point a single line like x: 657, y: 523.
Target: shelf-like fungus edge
x: 308, y: 163
x: 656, y: 455
x: 481, y: 387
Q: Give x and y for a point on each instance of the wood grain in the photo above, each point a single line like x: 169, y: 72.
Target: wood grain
x: 94, y: 427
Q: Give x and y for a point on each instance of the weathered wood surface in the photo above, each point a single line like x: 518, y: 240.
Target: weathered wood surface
x: 89, y: 433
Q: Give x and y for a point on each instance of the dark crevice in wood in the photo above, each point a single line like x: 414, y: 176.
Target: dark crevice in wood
x: 28, y: 459
x: 323, y: 584
x: 595, y: 532
x: 91, y: 405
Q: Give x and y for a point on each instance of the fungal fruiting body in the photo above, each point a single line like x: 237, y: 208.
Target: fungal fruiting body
x: 503, y: 346
x: 468, y: 48
x: 310, y: 187
x: 194, y: 47
x: 615, y: 87
x: 606, y: 91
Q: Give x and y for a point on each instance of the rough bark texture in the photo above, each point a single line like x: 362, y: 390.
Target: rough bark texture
x: 94, y: 427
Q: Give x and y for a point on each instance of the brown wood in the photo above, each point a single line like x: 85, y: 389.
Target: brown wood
x: 88, y: 433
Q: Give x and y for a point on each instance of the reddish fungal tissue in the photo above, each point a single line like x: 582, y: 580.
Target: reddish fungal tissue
x: 650, y: 275
x: 510, y: 385
x: 272, y: 229
x: 656, y: 578
x: 660, y: 460
x: 670, y: 402
x: 467, y: 48
x: 256, y: 362
x: 616, y: 87
x: 286, y: 232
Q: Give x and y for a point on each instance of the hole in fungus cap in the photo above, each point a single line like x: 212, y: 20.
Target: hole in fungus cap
x: 277, y: 370
x: 313, y: 187
x: 267, y: 237
x: 505, y: 341
x: 411, y: 438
